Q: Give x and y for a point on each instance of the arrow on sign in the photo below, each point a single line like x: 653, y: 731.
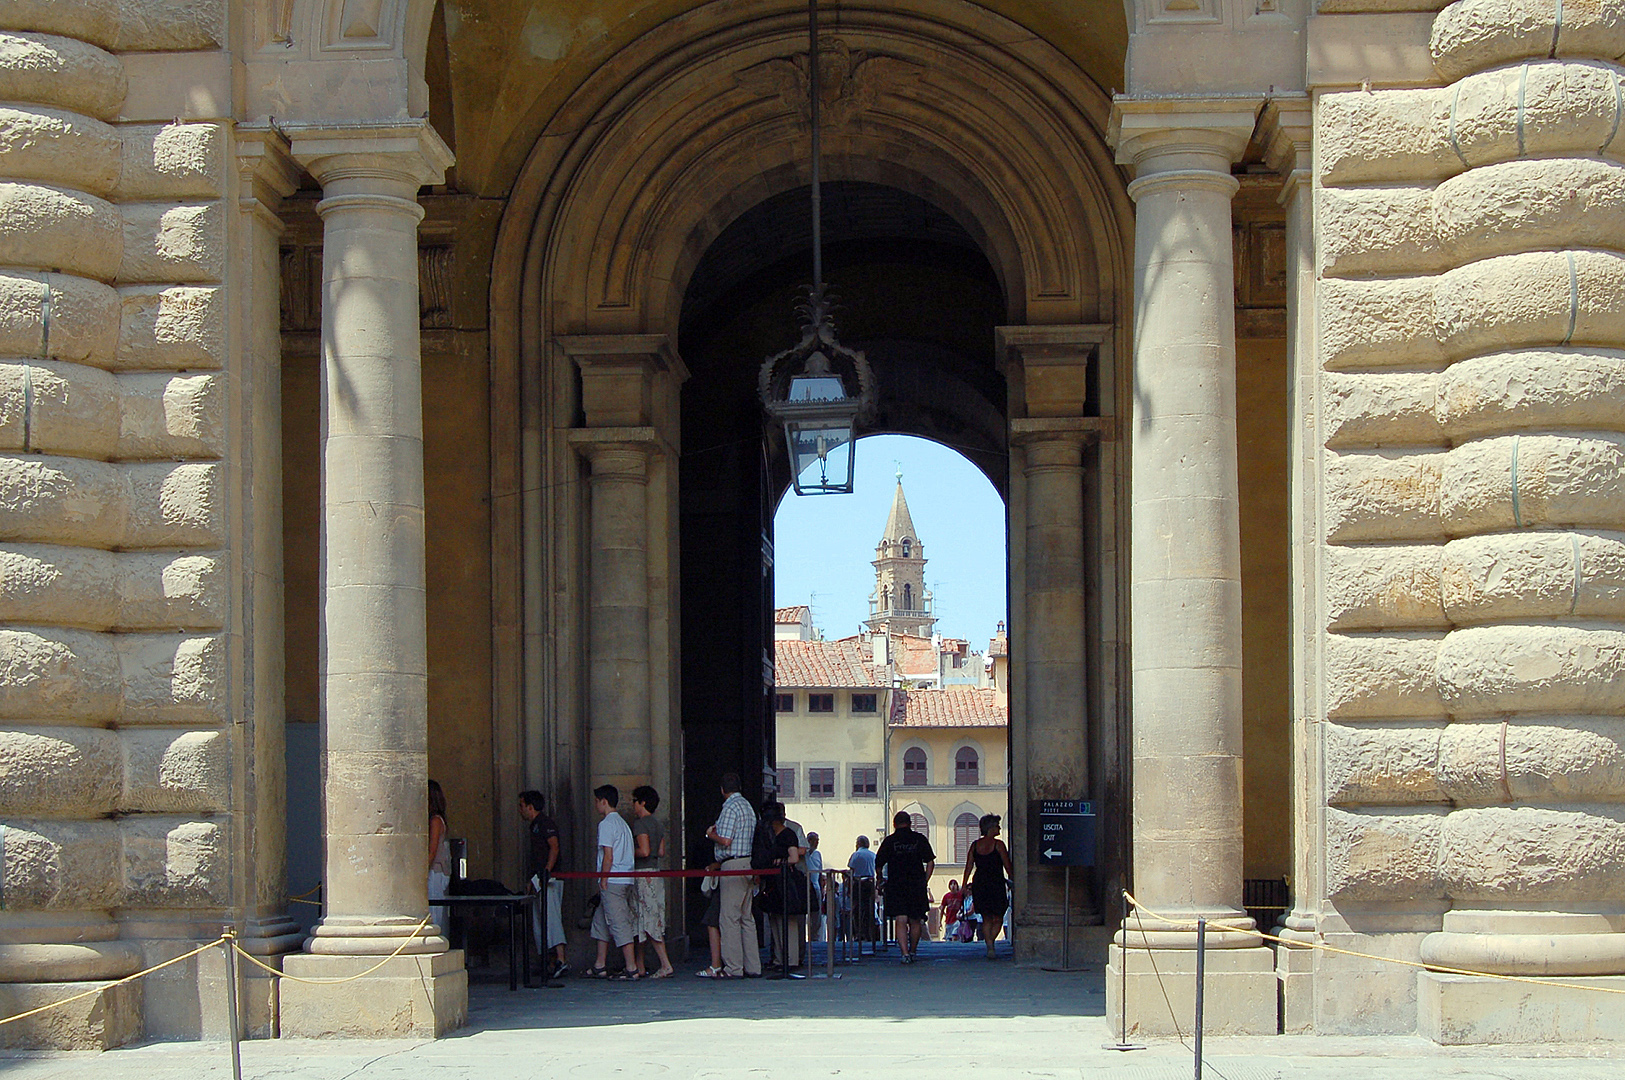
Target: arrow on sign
x: 1051, y: 853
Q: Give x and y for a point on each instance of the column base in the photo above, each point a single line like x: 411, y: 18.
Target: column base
x: 1459, y: 1010
x: 100, y: 1022
x: 1240, y: 997
x: 1295, y: 971
x: 410, y: 997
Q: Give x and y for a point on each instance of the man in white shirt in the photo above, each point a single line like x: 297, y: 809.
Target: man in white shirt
x: 613, y: 919
x: 814, y: 859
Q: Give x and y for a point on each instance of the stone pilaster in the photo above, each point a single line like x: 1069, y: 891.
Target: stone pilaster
x: 628, y: 388
x: 1185, y: 576
x: 1289, y: 124
x: 1050, y: 736
x: 374, y: 638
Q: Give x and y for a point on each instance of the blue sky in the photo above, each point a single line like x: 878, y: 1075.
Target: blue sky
x: 823, y: 544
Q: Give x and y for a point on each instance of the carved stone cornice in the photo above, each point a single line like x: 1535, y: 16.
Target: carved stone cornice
x: 1187, y: 134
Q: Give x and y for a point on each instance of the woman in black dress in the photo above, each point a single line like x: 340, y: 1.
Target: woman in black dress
x: 985, y: 867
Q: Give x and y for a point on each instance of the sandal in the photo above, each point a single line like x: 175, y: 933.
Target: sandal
x: 712, y: 973
x: 625, y: 976
x: 595, y: 973
x: 666, y: 974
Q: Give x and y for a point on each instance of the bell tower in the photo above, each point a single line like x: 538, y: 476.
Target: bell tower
x: 900, y: 603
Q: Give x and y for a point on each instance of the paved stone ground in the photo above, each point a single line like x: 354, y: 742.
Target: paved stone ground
x: 952, y: 1014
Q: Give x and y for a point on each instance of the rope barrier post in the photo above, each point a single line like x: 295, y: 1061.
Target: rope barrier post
x: 1201, y: 971
x: 228, y: 941
x: 1122, y: 994
x: 829, y: 924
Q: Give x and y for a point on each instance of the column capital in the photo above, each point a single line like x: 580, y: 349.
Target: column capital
x: 1287, y: 130
x: 619, y: 451
x: 1054, y: 362
x: 617, y: 376
x: 1182, y: 134
x: 391, y: 158
x: 266, y: 171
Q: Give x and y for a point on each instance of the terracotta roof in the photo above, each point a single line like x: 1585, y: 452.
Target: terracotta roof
x: 842, y: 663
x: 914, y: 655
x: 796, y: 614
x: 955, y: 706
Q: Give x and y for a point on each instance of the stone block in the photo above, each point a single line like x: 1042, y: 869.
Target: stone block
x: 1389, y: 856
x: 60, y: 771
x: 52, y: 228
x: 84, y: 317
x: 169, y: 862
x: 62, y: 865
x: 59, y: 675
x: 1373, y: 44
x: 1381, y: 409
x: 1239, y: 993
x: 1383, y: 495
x: 1550, y: 669
x: 1386, y: 230
x: 410, y: 997
x: 73, y: 409
x: 1519, y: 481
x: 171, y: 326
x: 1383, y: 764
x: 175, y: 505
x: 1381, y: 587
x: 1533, y: 388
x: 89, y: 20
x: 48, y: 584
x: 1472, y: 35
x: 109, y: 1018
x: 1576, y: 759
x: 1377, y: 323
x: 168, y: 771
x: 52, y: 145
x: 1531, y: 854
x: 173, y: 161
x: 173, y: 679
x: 61, y: 71
x: 1517, y: 206
x: 1464, y: 1010
x: 171, y: 416
x: 1382, y: 676
x: 169, y: 242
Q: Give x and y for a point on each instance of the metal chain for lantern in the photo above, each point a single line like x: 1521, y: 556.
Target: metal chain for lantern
x: 818, y: 390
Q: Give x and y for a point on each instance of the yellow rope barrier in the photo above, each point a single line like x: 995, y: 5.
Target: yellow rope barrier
x: 257, y: 962
x: 117, y: 982
x: 1323, y: 947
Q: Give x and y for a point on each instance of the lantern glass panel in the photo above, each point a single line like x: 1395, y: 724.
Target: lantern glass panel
x: 821, y: 454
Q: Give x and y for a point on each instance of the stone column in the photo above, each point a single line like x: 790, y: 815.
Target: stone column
x: 374, y: 638
x: 628, y: 399
x: 1185, y: 576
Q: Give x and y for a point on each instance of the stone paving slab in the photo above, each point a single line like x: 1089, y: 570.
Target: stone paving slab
x: 952, y: 1014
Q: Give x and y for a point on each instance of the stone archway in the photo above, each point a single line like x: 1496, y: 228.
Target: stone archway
x: 654, y: 156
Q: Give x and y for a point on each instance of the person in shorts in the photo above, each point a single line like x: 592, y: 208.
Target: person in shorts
x: 649, y: 904
x: 613, y: 919
x: 907, y: 860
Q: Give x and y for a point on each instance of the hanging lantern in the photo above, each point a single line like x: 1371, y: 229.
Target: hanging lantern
x: 819, y: 390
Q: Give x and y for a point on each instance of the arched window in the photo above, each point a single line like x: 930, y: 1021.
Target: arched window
x: 908, y: 598
x: 914, y: 767
x: 918, y: 823
x: 905, y: 547
x: 966, y: 833
x: 967, y: 767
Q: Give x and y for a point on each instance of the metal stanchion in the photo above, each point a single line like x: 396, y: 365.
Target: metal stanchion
x: 1122, y: 1042
x: 1201, y: 965
x: 233, y: 1020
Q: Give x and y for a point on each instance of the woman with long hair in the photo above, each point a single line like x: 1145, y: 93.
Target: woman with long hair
x: 439, y: 851
x: 985, y: 867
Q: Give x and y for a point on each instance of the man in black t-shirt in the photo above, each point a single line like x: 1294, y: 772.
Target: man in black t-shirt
x: 544, y: 861
x: 907, y: 860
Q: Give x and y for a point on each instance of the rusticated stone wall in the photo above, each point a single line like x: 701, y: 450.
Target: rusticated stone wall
x: 116, y: 595
x: 1471, y: 308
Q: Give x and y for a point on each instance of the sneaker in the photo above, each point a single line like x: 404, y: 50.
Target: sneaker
x: 908, y: 958
x: 560, y: 971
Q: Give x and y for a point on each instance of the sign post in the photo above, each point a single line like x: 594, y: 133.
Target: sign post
x: 1066, y: 838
